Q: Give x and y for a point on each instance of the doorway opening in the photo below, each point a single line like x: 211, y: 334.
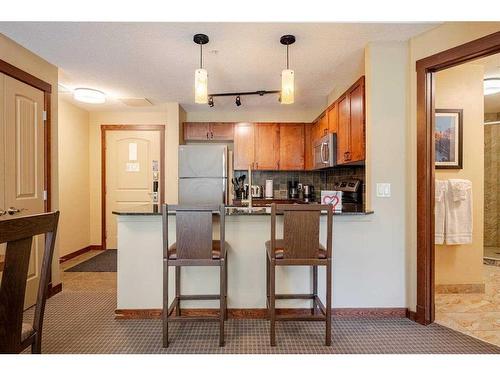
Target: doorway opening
x: 427, y: 81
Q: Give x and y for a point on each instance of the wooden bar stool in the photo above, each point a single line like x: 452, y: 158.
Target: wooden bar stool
x: 300, y: 247
x: 194, y: 246
x: 15, y: 335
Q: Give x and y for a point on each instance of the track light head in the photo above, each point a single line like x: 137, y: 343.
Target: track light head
x: 238, y: 101
x: 210, y: 101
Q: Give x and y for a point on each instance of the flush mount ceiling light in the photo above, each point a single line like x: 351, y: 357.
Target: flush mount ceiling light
x: 491, y: 86
x: 287, y: 75
x: 86, y: 95
x: 201, y: 75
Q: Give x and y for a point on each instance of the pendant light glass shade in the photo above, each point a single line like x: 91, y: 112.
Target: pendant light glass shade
x: 287, y: 86
x: 201, y: 86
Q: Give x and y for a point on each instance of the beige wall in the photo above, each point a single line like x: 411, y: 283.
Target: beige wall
x: 282, y: 115
x: 462, y: 87
x: 24, y: 59
x: 74, y: 186
x: 492, y: 185
x: 439, y: 39
x: 168, y: 115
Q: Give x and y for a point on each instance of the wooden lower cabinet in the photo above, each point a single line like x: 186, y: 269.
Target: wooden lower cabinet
x: 267, y: 146
x: 244, y: 146
x: 291, y: 146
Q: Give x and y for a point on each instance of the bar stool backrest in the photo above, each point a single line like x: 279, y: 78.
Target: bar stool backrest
x: 18, y: 233
x: 194, y: 230
x: 300, y: 229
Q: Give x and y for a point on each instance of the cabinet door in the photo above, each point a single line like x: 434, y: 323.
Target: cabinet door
x: 244, y: 140
x: 196, y: 131
x: 308, y: 142
x: 343, y: 135
x: 323, y: 125
x: 357, y: 125
x: 267, y: 146
x: 291, y: 147
x: 222, y: 131
x: 333, y: 118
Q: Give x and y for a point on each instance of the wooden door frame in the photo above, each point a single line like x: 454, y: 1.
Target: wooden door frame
x: 426, y: 69
x: 25, y: 77
x: 120, y: 127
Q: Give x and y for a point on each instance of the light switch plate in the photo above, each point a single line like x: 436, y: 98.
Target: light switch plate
x: 383, y: 190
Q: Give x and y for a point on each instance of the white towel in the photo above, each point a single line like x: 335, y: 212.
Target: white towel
x: 458, y: 223
x: 440, y: 187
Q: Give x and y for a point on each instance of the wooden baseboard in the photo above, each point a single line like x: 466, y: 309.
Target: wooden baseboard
x: 389, y: 312
x: 459, y: 288
x: 76, y: 253
x: 412, y: 315
x: 53, y: 290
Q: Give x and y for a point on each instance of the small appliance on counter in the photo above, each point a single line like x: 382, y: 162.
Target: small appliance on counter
x: 308, y: 193
x: 352, y: 195
x: 269, y: 189
x: 293, y: 189
x: 256, y: 191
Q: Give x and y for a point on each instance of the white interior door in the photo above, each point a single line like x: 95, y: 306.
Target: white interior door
x: 131, y: 156
x: 22, y: 163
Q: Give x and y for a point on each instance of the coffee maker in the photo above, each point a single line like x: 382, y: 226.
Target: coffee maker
x: 293, y: 189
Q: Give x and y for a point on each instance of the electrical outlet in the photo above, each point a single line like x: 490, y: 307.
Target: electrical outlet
x: 383, y: 190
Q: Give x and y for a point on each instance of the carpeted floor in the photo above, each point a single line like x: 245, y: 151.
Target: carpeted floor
x: 83, y: 322
x: 103, y: 262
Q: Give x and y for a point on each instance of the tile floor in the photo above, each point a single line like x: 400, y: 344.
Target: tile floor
x: 477, y: 315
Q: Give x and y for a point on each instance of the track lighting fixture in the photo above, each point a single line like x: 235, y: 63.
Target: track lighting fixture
x: 238, y: 101
x: 201, y: 75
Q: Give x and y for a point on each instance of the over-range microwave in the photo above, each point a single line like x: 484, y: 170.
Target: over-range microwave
x: 325, y: 152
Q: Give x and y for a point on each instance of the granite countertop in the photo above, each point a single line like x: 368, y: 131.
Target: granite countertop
x: 155, y: 209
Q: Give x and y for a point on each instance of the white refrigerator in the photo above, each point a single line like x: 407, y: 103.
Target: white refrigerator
x: 203, y: 174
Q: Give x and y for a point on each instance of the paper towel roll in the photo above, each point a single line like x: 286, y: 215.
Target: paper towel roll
x: 269, y: 188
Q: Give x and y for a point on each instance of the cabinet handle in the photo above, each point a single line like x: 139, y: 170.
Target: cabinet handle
x: 256, y: 165
x: 207, y: 135
x: 212, y: 135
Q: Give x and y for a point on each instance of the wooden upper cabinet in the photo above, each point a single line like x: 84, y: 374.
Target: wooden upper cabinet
x: 357, y: 128
x: 333, y: 118
x: 308, y: 149
x: 244, y: 149
x: 196, y: 131
x: 351, y: 124
x: 267, y: 146
x: 208, y: 131
x: 323, y: 124
x: 221, y: 131
x: 291, y: 146
x: 344, y: 114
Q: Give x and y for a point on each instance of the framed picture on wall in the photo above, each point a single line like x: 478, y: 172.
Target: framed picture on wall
x: 448, y: 139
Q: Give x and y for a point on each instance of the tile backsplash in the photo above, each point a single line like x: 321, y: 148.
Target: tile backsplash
x: 321, y: 180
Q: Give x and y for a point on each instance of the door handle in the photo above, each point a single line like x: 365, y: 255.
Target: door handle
x: 13, y: 210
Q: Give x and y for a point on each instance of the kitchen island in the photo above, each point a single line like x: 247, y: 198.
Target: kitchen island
x: 139, y: 271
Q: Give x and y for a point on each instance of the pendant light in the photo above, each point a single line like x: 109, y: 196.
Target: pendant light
x: 201, y: 75
x: 287, y: 75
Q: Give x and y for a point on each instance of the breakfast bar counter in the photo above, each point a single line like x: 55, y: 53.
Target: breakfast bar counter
x: 140, y: 258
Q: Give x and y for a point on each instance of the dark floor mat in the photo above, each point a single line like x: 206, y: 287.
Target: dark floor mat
x: 104, y: 262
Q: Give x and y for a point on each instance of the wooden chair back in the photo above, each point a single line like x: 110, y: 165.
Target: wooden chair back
x: 194, y: 230
x: 18, y: 233
x: 301, y: 229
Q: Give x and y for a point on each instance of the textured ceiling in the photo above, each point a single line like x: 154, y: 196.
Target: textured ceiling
x: 157, y: 60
